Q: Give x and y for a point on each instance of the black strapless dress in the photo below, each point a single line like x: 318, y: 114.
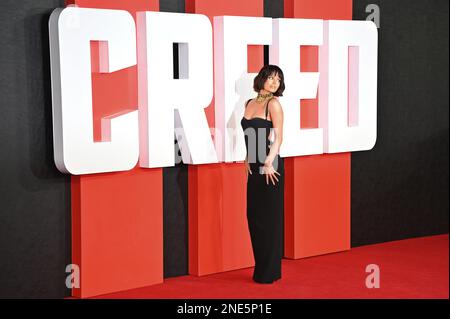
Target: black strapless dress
x: 265, y: 203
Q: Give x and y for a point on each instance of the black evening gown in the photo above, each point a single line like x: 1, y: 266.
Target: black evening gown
x: 265, y: 203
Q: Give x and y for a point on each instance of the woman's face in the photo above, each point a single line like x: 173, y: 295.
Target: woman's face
x: 272, y: 83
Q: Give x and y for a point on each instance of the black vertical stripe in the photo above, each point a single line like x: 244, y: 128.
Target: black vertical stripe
x: 175, y: 191
x: 35, y: 225
x: 274, y: 9
x: 400, y: 187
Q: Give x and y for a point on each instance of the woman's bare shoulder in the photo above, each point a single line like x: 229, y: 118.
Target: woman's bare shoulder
x: 274, y: 104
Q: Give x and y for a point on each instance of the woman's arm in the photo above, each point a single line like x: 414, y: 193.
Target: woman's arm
x: 276, y: 114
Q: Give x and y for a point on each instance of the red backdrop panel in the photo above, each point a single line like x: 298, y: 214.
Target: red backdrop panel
x: 218, y: 231
x: 117, y: 217
x: 317, y: 190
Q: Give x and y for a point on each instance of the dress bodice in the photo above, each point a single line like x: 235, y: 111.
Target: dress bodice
x: 256, y: 133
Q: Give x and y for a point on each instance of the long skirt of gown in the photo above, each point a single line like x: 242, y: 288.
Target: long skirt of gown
x: 265, y: 215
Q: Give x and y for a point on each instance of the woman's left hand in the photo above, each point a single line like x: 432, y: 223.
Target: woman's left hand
x: 270, y: 172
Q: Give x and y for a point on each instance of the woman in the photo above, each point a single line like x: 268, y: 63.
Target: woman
x: 262, y: 123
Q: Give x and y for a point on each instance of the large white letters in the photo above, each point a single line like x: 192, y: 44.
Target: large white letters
x: 165, y: 102
x: 168, y: 107
x: 289, y: 35
x: 348, y: 86
x: 71, y: 31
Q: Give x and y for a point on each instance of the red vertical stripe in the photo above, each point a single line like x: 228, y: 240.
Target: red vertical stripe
x: 117, y: 217
x: 317, y: 196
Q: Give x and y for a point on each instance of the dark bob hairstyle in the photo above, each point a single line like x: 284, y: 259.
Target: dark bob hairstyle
x: 264, y: 73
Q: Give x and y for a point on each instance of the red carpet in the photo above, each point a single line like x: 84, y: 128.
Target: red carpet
x: 410, y: 268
